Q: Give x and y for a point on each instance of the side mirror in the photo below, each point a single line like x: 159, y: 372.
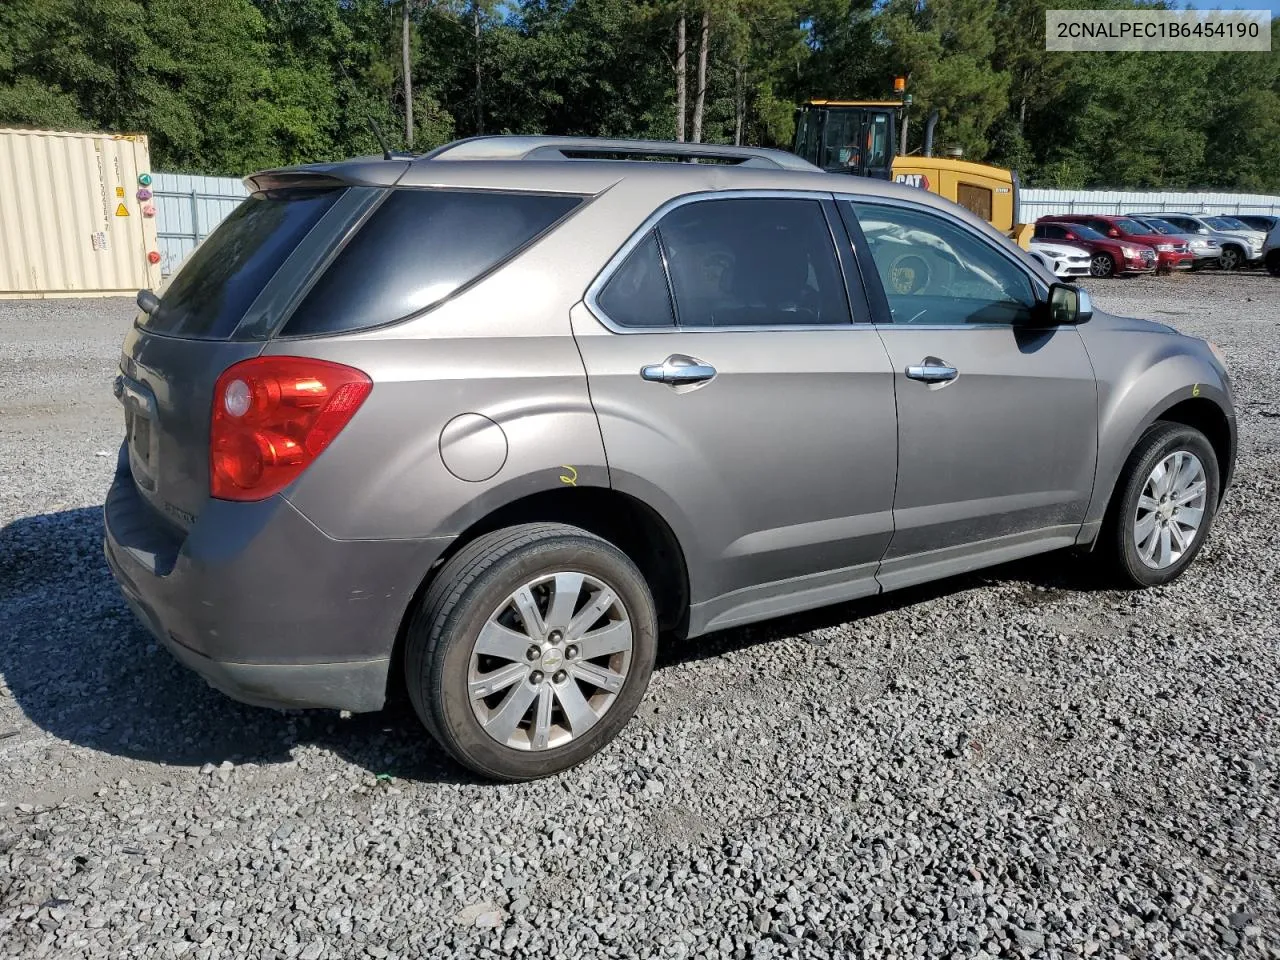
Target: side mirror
x: 148, y: 301
x: 1065, y: 306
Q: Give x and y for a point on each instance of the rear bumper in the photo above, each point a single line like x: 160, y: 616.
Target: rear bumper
x: 261, y: 603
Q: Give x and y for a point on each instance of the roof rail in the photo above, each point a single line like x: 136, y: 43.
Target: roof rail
x: 603, y: 148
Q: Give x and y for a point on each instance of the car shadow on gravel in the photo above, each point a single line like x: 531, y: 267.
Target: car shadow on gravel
x: 78, y: 665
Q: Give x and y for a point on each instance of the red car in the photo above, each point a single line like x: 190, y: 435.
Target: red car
x: 1109, y: 258
x: 1172, y: 254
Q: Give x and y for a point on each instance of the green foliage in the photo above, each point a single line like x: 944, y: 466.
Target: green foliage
x: 228, y: 86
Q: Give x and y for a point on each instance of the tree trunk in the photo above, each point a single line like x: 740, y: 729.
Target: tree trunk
x: 681, y: 58
x: 739, y: 105
x: 407, y: 66
x: 700, y: 98
x: 479, y: 94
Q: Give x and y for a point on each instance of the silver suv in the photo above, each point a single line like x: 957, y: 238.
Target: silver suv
x: 1241, y: 246
x: 491, y: 420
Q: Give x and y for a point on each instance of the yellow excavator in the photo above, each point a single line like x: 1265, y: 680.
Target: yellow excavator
x: 861, y: 137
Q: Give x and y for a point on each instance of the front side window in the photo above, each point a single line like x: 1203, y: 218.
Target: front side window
x: 936, y: 271
x: 751, y: 262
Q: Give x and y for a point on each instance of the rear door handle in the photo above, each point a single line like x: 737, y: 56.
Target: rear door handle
x: 678, y: 370
x: 932, y: 370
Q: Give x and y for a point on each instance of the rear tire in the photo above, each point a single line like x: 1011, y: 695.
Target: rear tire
x: 491, y: 703
x: 1163, y: 507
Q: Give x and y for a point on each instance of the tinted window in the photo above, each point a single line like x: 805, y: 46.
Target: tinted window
x: 219, y: 281
x: 936, y: 271
x: 1126, y: 225
x: 753, y: 262
x: 637, y: 295
x: 417, y: 248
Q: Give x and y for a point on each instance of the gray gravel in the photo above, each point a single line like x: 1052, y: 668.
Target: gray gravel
x: 1016, y: 764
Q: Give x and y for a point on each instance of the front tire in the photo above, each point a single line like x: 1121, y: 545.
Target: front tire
x: 1164, y: 505
x: 531, y: 650
x: 1102, y: 266
x: 1273, y: 263
x: 1231, y: 258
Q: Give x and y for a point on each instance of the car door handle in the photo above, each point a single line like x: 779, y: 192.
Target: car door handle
x: 678, y: 370
x: 932, y: 370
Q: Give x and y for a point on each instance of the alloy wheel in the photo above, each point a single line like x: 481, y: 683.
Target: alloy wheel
x: 1170, y: 509
x: 549, y: 661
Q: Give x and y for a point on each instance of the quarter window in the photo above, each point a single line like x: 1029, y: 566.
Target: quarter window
x: 751, y: 262
x: 637, y: 294
x: 938, y: 272
x: 417, y: 248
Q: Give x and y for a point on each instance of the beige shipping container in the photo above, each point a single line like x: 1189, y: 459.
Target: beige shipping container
x: 71, y: 221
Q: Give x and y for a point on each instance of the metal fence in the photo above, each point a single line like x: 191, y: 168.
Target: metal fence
x: 187, y: 210
x: 1040, y: 203
x: 189, y: 207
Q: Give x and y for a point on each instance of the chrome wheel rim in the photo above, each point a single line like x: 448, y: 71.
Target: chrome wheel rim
x: 1100, y: 266
x: 550, y: 661
x: 1229, y: 259
x: 1170, y: 510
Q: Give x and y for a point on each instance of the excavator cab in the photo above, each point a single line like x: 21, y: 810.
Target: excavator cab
x: 849, y: 136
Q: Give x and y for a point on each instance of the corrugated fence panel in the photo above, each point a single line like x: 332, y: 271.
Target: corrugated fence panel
x: 187, y: 210
x: 1040, y: 203
x: 189, y: 207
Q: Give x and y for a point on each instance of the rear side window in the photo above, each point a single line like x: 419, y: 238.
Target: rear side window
x: 637, y: 294
x: 219, y: 281
x: 751, y: 262
x: 419, y: 247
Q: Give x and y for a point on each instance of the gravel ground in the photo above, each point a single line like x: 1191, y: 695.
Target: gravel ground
x: 1014, y: 764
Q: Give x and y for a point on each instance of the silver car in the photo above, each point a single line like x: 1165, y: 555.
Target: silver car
x: 1241, y: 246
x: 488, y: 422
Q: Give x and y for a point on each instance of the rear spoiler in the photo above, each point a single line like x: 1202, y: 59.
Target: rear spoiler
x: 365, y: 172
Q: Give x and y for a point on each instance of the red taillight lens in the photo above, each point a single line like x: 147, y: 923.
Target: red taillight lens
x: 272, y: 416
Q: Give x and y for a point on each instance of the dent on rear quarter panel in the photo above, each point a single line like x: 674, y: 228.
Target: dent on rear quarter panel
x: 1141, y: 373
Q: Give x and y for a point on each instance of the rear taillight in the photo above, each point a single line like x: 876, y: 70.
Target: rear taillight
x: 272, y: 416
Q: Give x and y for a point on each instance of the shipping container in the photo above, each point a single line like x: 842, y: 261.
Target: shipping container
x: 77, y: 215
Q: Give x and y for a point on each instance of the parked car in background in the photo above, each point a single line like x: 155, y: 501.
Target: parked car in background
x: 1259, y: 221
x: 1064, y: 260
x: 490, y: 419
x: 1241, y: 245
x: 1271, y: 251
x: 1206, y: 249
x: 1108, y: 257
x: 1170, y: 254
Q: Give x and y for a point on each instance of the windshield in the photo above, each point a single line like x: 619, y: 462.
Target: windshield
x: 1224, y: 223
x: 1159, y: 226
x: 1125, y: 225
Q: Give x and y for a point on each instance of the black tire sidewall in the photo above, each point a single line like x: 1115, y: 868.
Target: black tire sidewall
x: 1156, y: 444
x: 1111, y: 272
x: 442, y: 684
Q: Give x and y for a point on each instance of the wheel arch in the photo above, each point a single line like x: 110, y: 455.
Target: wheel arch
x: 1199, y: 406
x: 630, y: 524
